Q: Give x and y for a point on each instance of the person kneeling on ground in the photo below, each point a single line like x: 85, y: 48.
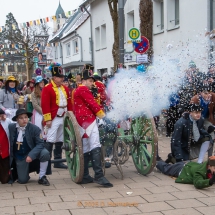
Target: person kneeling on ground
x: 189, y: 139
x: 27, y: 152
x: 200, y: 175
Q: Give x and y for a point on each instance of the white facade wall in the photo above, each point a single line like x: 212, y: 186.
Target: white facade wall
x: 193, y: 19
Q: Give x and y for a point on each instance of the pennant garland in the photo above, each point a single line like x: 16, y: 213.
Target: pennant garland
x: 40, y: 21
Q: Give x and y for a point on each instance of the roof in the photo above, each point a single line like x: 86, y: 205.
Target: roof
x: 60, y: 11
x: 86, y: 2
x: 79, y: 21
x: 66, y: 26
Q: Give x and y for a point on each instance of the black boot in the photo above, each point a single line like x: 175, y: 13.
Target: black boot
x: 58, y: 155
x: 87, y: 178
x: 49, y: 147
x: 95, y: 155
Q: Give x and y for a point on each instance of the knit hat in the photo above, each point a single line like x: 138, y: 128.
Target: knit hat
x: 192, y: 64
x: 1, y: 111
x: 194, y: 107
x: 211, y: 161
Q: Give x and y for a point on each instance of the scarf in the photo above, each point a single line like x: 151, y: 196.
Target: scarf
x: 196, y: 134
x: 21, y: 131
x: 31, y: 88
x: 12, y: 90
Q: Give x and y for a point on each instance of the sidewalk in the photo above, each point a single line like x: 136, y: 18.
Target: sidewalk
x: 155, y: 194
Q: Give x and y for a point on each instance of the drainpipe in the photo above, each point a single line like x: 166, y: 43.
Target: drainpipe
x: 91, y: 31
x: 77, y: 35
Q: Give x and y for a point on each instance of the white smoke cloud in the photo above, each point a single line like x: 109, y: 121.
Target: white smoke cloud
x: 133, y: 93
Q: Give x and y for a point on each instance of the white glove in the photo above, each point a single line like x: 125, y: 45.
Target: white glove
x: 8, y: 112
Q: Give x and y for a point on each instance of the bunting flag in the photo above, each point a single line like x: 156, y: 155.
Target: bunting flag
x: 40, y: 21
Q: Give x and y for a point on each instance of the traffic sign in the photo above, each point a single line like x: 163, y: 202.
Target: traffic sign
x: 134, y: 34
x: 142, y: 58
x: 143, y: 46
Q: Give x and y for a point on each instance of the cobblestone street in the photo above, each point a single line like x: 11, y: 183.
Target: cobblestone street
x: 155, y: 194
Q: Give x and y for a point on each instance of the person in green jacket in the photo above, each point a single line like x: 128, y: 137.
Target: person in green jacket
x: 200, y: 175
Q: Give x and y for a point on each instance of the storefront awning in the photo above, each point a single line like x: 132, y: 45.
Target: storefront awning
x: 75, y: 64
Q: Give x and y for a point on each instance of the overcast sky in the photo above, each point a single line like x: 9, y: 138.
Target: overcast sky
x: 27, y: 10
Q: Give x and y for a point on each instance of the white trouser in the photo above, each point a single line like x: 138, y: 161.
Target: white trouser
x: 55, y: 133
x: 204, y: 148
x: 93, y: 141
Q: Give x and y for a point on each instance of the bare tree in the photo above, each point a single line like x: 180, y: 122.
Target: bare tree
x: 113, y: 7
x: 146, y: 23
x: 24, y: 38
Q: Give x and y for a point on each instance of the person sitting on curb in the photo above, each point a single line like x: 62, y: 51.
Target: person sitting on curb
x: 200, y: 175
x: 188, y: 136
x: 27, y: 151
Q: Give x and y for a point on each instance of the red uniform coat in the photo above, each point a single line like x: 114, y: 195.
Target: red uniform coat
x: 4, y: 143
x: 85, y: 107
x: 101, y: 91
x: 50, y: 99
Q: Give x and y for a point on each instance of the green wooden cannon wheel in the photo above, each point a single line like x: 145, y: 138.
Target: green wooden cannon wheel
x: 73, y: 147
x: 144, y: 147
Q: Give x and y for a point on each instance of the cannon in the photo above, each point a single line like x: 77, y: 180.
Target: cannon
x: 141, y: 142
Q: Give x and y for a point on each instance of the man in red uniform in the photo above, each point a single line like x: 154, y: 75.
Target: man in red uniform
x: 55, y: 101
x: 4, y: 148
x: 86, y: 110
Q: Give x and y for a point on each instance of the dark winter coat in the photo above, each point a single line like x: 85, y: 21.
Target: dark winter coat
x: 180, y: 142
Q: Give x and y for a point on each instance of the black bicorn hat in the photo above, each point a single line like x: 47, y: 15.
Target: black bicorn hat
x: 20, y: 112
x: 57, y: 71
x: 87, y: 72
x: 194, y: 107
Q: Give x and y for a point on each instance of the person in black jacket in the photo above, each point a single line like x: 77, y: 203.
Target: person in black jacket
x: 188, y: 135
x: 27, y: 151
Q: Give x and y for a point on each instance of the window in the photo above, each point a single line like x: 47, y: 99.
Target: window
x: 212, y: 14
x: 97, y: 38
x: 103, y: 36
x: 75, y: 46
x: 130, y: 20
x: 158, y: 16
x: 173, y: 10
x: 68, y: 49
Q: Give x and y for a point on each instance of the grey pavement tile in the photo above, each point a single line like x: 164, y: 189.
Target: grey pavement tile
x: 154, y: 207
x: 58, y: 192
x: 134, y: 192
x: 6, y: 195
x: 184, y: 187
x: 45, y: 199
x: 164, y: 182
x: 57, y: 181
x: 191, y: 194
x: 208, y: 192
x: 68, y: 186
x: 208, y: 210
x: 143, y: 184
x: 121, y: 210
x: 13, y: 188
x: 63, y: 212
x: 40, y: 187
x: 159, y: 197
x: 88, y: 211
x: 32, y: 208
x: 163, y: 189
x: 7, y: 211
x: 149, y: 178
x: 105, y: 195
x: 207, y: 201
x: 114, y: 188
x: 26, y: 194
x: 65, y: 205
x: 87, y: 190
x: 129, y: 199
x: 186, y: 203
x: 187, y: 211
x: 14, y: 202
x: 153, y: 213
x: 76, y: 197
